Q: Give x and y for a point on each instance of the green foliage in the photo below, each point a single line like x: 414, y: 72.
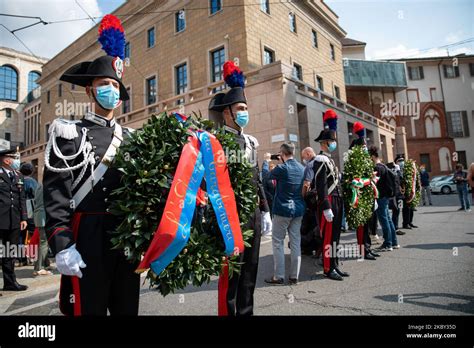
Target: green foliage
x: 357, y: 164
x: 408, y: 172
x: 148, y: 161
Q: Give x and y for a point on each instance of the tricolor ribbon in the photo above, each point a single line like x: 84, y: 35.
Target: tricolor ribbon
x: 201, y: 156
x: 359, y: 183
x: 413, y: 184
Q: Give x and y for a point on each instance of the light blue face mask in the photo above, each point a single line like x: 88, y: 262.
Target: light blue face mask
x: 242, y: 118
x: 332, y: 146
x: 108, y: 97
x: 15, y: 164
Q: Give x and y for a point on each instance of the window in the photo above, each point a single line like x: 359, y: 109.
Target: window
x: 60, y: 90
x: 126, y: 104
x: 8, y: 113
x: 181, y: 78
x: 151, y: 90
x: 265, y: 6
x: 292, y: 18
x: 151, y: 37
x: 268, y: 56
x: 432, y: 124
x: 127, y: 50
x: 457, y: 124
x: 180, y: 21
x: 450, y: 71
x: 471, y: 68
x: 425, y: 159
x: 32, y: 77
x: 8, y: 83
x: 320, y: 83
x: 337, y: 92
x: 314, y: 38
x: 215, y: 6
x: 217, y: 61
x: 333, y: 52
x: 8, y: 136
x: 48, y: 97
x: 415, y: 73
x: 46, y: 129
x: 462, y: 158
x: 297, y: 71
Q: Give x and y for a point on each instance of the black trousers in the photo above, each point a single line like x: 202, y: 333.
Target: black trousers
x: 407, y: 213
x: 310, y: 237
x: 331, y: 235
x: 241, y: 286
x: 9, y: 238
x: 109, y: 281
x: 369, y: 228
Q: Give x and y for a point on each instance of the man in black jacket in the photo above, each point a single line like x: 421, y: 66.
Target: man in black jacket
x: 13, y: 215
x: 386, y: 191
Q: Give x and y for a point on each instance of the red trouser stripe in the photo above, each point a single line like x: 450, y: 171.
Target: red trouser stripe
x: 76, y: 220
x: 222, y: 288
x: 360, y: 239
x: 326, y: 231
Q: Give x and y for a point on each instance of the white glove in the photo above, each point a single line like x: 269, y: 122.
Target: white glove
x: 328, y: 215
x: 267, y: 224
x: 69, y: 262
x: 376, y: 206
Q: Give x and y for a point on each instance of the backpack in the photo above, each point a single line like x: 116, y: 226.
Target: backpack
x: 391, y: 182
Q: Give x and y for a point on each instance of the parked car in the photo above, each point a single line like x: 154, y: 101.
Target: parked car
x: 443, y: 184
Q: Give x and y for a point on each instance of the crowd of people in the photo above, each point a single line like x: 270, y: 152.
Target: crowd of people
x: 304, y: 216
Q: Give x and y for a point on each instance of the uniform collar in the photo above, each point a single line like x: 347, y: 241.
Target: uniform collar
x: 325, y: 153
x: 99, y: 120
x: 232, y: 130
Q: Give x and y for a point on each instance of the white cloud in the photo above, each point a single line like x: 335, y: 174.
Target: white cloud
x: 401, y: 51
x: 46, y: 40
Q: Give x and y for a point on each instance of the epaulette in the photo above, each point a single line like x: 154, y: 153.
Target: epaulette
x: 322, y: 158
x: 64, y: 128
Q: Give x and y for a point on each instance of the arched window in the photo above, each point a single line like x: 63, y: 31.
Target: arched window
x: 432, y: 125
x: 8, y: 83
x: 444, y: 159
x: 32, y: 77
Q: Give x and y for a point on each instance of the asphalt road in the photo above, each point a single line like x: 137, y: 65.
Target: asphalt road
x: 432, y: 274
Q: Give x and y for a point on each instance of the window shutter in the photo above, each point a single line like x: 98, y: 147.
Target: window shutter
x: 456, y: 71
x: 445, y: 71
x: 409, y: 73
x: 450, y: 125
x: 421, y: 72
x: 465, y: 124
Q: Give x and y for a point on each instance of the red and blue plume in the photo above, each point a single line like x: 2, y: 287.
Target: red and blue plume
x: 359, y: 129
x: 330, y: 119
x: 233, y: 76
x: 112, y: 37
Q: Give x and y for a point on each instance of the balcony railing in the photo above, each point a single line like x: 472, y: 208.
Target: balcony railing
x: 335, y: 103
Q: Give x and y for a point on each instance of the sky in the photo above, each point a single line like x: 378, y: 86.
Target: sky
x: 405, y: 28
x: 391, y: 28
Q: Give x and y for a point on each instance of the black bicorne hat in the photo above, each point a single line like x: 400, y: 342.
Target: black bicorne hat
x: 84, y: 73
x: 358, y: 141
x: 327, y: 134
